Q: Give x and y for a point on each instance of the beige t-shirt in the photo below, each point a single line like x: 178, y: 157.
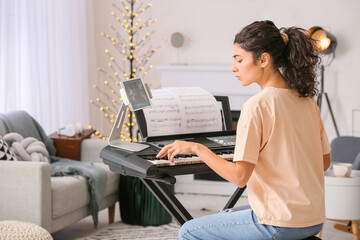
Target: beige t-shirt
x: 284, y: 136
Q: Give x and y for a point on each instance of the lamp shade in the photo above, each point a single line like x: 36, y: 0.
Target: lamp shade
x: 325, y: 41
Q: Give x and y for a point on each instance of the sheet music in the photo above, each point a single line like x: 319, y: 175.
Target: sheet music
x: 181, y: 111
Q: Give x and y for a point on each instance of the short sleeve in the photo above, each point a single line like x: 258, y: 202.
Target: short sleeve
x: 248, y: 134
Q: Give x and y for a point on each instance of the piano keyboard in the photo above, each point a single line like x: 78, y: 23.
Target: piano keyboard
x: 187, y: 159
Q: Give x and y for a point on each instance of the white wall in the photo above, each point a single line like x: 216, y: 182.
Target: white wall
x: 210, y: 26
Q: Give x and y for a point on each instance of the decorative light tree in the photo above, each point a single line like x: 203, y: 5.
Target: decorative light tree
x: 128, y: 57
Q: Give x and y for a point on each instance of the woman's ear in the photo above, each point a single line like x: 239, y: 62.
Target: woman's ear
x: 265, y: 59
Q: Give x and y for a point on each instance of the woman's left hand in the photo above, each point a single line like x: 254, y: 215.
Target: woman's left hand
x: 177, y: 147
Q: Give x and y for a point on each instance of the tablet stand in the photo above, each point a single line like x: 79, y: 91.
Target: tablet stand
x: 116, y: 141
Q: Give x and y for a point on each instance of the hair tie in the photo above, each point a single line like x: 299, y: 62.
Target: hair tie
x: 285, y: 37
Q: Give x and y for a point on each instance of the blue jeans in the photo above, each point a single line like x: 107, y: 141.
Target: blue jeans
x: 240, y: 223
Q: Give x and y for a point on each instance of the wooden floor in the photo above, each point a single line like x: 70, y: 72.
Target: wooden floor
x: 196, y: 205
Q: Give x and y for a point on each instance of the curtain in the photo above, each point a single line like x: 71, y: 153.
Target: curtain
x: 46, y: 60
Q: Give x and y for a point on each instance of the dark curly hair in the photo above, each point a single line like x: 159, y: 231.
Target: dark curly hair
x: 297, y: 60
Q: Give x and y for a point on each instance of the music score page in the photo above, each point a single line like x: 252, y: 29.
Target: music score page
x: 182, y: 111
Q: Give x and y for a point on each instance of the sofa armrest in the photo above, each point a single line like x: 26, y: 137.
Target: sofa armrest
x: 90, y: 149
x: 25, y: 190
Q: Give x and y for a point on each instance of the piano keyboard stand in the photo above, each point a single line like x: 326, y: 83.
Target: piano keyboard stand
x: 173, y: 205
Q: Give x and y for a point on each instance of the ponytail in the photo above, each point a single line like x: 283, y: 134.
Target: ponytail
x: 293, y: 52
x: 301, y: 61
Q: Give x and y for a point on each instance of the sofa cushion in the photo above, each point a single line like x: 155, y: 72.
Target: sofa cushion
x: 70, y: 192
x: 5, y: 152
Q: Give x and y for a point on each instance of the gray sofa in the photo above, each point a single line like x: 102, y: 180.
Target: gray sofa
x: 29, y: 193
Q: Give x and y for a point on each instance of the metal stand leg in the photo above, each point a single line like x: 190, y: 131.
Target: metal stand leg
x: 168, y: 200
x: 234, y: 198
x: 332, y: 114
x: 319, y: 100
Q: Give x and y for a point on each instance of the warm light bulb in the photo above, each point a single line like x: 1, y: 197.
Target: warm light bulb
x: 324, y: 43
x: 106, y: 50
x: 94, y: 86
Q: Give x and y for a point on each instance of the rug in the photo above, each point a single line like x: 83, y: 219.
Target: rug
x: 120, y: 230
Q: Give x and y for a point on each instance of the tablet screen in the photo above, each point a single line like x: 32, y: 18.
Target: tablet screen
x: 136, y: 94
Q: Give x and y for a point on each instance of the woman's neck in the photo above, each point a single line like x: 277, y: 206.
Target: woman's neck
x: 272, y: 79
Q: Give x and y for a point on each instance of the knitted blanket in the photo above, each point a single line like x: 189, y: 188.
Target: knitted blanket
x: 22, y: 123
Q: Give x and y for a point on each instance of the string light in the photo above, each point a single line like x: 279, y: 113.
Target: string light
x: 134, y: 51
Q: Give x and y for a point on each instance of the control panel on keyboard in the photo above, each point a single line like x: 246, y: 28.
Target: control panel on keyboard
x: 224, y: 140
x: 210, y: 142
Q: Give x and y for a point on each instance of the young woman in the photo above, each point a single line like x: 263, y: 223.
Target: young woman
x: 281, y: 148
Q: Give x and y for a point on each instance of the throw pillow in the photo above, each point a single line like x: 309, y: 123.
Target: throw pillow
x: 5, y: 152
x: 27, y: 149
